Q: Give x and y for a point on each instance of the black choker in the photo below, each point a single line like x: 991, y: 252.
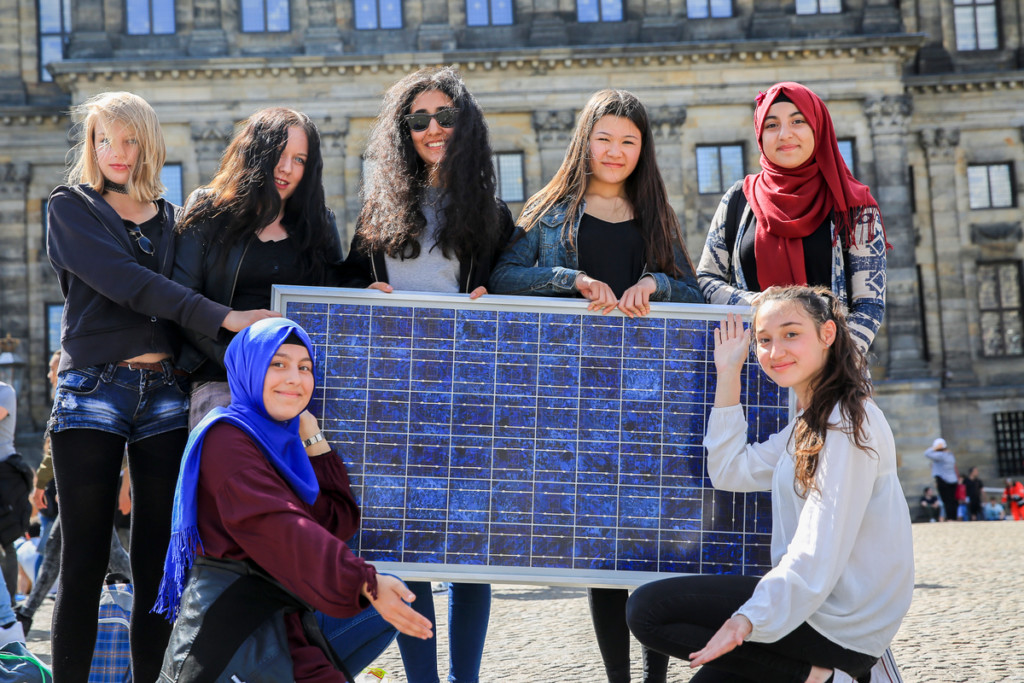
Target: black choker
x: 111, y: 186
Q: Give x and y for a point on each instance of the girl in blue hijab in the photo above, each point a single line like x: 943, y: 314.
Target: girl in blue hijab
x: 258, y: 483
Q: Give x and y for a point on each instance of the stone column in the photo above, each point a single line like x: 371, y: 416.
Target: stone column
x: 888, y: 117
x: 547, y: 28
x: 209, y: 139
x: 554, y: 128
x: 89, y: 37
x: 667, y: 126
x: 881, y: 16
x: 435, y: 32
x: 940, y: 146
x: 14, y: 289
x: 208, y: 36
x: 769, y: 19
x: 323, y: 37
x: 333, y: 138
x: 933, y: 57
x: 12, y: 89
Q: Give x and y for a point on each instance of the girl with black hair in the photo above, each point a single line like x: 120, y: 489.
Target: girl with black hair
x: 261, y: 221
x: 430, y: 222
x: 602, y: 228
x: 842, y: 572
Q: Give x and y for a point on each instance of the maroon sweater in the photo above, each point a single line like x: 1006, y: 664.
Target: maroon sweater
x: 248, y: 512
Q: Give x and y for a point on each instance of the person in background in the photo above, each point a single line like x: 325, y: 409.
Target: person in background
x: 975, y: 490
x: 109, y: 240
x: 993, y: 511
x: 602, y: 228
x: 802, y: 220
x: 944, y: 471
x: 1013, y: 495
x: 842, y: 553
x: 261, y: 221
x: 961, y: 499
x: 930, y: 503
x: 431, y: 222
x: 10, y: 628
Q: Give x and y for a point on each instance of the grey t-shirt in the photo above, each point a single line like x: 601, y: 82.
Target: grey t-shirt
x: 430, y: 271
x: 8, y: 401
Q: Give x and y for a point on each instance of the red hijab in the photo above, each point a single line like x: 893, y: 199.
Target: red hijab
x: 791, y: 203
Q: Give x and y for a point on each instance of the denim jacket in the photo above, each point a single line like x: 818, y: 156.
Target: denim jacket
x: 541, y: 262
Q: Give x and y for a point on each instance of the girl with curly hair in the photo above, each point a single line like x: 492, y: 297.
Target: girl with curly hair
x: 842, y: 572
x: 430, y: 222
x: 261, y: 221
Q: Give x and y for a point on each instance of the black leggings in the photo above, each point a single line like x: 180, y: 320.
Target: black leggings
x: 679, y: 615
x: 947, y: 492
x: 86, y: 464
x: 608, y: 611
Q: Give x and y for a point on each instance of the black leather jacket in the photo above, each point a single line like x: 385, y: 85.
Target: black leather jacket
x: 198, y: 264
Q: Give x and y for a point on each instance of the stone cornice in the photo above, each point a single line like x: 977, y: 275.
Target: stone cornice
x: 888, y: 46
x: 964, y: 82
x: 31, y: 116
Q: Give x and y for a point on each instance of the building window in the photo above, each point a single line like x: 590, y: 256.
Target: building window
x: 990, y: 186
x: 999, y: 299
x: 718, y: 167
x: 145, y: 17
x: 265, y: 16
x: 489, y: 12
x: 598, y: 10
x: 54, y: 33
x: 374, y: 14
x: 708, y: 9
x: 170, y: 176
x: 819, y: 6
x: 508, y: 169
x: 846, y: 150
x: 977, y: 27
x: 1010, y: 443
x: 53, y: 314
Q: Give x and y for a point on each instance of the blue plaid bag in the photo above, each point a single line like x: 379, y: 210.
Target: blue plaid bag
x: 112, y: 660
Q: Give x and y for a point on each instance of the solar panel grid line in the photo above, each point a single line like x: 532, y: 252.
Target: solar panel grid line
x: 544, y: 360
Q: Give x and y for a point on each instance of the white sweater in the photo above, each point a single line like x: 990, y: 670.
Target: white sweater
x: 843, y: 558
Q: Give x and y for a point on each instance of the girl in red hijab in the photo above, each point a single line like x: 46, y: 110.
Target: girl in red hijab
x: 804, y: 219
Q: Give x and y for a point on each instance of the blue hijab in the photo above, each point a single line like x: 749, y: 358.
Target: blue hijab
x: 247, y: 360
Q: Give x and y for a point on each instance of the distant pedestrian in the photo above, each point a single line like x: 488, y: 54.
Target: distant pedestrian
x: 1013, y: 495
x: 930, y: 503
x: 961, y: 499
x: 974, y: 487
x: 944, y: 471
x: 994, y: 512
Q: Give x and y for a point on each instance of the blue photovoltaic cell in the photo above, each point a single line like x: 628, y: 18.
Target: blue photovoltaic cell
x: 538, y: 439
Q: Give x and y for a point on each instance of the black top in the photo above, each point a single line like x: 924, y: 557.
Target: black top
x: 817, y: 256
x: 267, y: 264
x: 153, y: 229
x: 611, y: 252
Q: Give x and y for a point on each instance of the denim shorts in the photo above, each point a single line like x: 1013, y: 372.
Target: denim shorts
x: 136, y: 404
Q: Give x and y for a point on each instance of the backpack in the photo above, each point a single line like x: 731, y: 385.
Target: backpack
x: 737, y: 203
x: 112, y: 658
x: 15, y: 508
x: 18, y: 665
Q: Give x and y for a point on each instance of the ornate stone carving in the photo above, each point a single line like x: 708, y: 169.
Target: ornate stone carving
x: 889, y: 114
x: 332, y: 135
x: 14, y: 177
x: 940, y: 143
x: 989, y: 233
x: 667, y: 122
x: 209, y: 138
x: 553, y: 127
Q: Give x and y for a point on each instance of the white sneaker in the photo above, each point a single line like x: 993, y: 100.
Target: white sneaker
x: 841, y: 677
x: 884, y: 670
x: 12, y: 634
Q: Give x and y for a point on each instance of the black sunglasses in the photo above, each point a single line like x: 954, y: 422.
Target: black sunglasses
x: 140, y: 239
x: 420, y: 121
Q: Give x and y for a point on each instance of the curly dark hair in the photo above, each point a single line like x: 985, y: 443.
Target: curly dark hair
x: 391, y: 219
x: 843, y: 381
x: 645, y: 188
x: 242, y: 196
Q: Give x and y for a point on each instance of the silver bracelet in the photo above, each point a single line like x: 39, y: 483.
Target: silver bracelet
x: 316, y: 438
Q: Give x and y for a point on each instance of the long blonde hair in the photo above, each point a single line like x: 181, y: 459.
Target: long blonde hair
x: 134, y: 114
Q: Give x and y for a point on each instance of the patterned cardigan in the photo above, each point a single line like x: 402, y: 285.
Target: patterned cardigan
x: 858, y: 272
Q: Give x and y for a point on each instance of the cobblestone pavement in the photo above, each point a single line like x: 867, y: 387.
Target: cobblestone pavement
x: 966, y: 624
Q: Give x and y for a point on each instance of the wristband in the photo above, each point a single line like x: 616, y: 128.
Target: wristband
x: 316, y: 438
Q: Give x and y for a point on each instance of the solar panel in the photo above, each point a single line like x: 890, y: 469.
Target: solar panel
x: 526, y: 439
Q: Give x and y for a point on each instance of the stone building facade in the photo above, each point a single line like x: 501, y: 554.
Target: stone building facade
x: 926, y: 96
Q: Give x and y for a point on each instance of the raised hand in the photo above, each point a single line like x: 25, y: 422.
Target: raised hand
x: 732, y: 344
